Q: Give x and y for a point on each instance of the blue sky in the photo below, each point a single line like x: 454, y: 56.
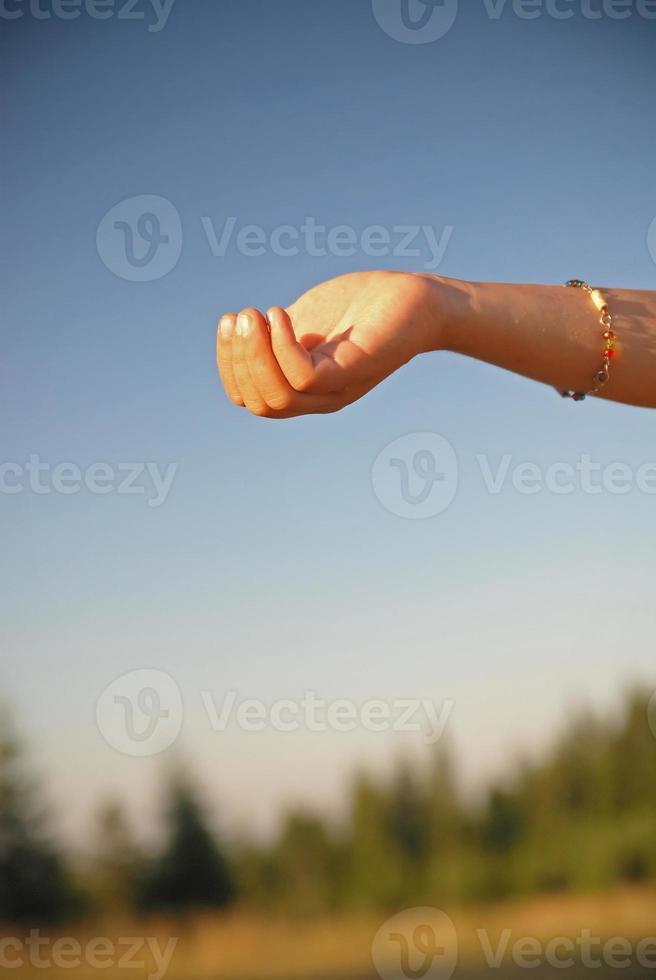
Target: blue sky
x: 272, y: 568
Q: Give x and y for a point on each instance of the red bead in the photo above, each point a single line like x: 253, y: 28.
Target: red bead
x: 610, y: 353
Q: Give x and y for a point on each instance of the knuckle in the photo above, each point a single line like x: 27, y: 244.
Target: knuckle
x: 262, y: 411
x: 302, y: 383
x: 279, y: 403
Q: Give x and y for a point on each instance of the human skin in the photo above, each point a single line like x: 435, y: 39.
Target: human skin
x: 344, y: 336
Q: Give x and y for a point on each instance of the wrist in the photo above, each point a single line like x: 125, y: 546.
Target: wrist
x: 448, y: 307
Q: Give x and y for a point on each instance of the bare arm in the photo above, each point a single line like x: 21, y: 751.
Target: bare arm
x: 552, y: 334
x: 344, y: 336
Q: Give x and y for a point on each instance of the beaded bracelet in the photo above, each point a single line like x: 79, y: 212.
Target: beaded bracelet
x: 609, y: 338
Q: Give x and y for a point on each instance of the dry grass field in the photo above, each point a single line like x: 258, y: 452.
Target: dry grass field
x: 246, y: 947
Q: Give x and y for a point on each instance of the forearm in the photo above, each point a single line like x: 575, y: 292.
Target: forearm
x: 552, y: 334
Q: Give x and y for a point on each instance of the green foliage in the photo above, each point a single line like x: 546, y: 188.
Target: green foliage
x: 34, y: 885
x: 374, y: 853
x: 308, y: 864
x: 582, y: 818
x: 118, y: 863
x: 191, y: 872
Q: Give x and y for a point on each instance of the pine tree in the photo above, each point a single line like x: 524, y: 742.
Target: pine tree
x: 191, y: 872
x: 34, y: 885
x: 309, y: 860
x: 375, y: 864
x: 118, y: 862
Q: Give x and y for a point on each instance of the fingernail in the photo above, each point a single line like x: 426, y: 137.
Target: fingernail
x: 243, y: 324
x: 226, y: 327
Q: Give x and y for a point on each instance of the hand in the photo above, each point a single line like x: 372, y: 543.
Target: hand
x: 331, y: 346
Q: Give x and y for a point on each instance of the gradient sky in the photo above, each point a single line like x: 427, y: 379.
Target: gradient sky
x: 272, y: 568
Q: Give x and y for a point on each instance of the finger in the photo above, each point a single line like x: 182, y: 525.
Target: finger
x: 240, y: 339
x: 320, y: 371
x: 266, y: 374
x: 224, y: 357
x: 294, y: 360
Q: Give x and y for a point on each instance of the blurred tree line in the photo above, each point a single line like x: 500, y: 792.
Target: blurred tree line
x: 583, y: 817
